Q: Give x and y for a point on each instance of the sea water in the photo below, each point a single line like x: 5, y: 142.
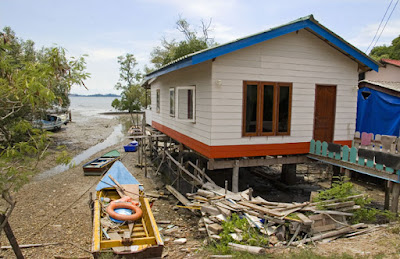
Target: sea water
x: 91, y: 106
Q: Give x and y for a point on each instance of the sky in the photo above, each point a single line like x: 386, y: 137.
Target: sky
x: 105, y: 30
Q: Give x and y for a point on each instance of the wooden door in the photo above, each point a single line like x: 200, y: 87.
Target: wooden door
x: 324, y: 115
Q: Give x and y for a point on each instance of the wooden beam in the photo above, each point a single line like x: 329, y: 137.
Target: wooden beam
x: 201, y: 172
x: 179, y: 196
x: 235, y: 177
x: 197, y: 180
x: 223, y: 164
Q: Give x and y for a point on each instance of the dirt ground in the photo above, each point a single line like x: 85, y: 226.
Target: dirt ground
x: 55, y: 209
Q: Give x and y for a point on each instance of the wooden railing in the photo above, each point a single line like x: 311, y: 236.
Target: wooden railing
x: 384, y: 143
x: 365, y: 159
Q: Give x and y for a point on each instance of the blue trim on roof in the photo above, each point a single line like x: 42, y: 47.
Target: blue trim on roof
x: 264, y: 36
x: 342, y: 45
x: 178, y: 65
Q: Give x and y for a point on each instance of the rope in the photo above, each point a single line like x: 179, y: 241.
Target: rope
x: 61, y: 212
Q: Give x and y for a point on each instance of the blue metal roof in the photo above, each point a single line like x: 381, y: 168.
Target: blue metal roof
x: 307, y: 22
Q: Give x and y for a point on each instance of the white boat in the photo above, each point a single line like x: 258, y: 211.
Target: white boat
x: 52, y: 123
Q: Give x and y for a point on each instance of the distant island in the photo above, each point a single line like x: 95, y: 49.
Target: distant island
x: 95, y: 95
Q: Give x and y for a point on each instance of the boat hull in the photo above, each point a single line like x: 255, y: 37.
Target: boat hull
x: 101, y: 164
x: 145, y: 240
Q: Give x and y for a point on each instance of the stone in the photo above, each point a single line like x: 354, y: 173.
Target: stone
x: 180, y: 241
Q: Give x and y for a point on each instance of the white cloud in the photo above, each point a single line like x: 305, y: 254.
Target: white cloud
x: 224, y: 33
x: 99, y: 54
x: 364, y: 38
x: 203, y: 8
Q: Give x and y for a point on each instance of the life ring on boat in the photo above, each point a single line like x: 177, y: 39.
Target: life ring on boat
x: 125, y: 203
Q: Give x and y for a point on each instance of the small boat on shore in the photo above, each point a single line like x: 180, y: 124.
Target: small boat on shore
x: 101, y: 164
x: 126, y: 234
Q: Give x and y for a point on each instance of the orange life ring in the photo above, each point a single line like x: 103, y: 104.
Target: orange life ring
x: 126, y: 205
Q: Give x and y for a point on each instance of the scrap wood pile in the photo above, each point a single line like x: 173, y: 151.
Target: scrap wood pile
x: 282, y: 223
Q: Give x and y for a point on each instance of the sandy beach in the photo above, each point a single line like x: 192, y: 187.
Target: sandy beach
x: 54, y: 208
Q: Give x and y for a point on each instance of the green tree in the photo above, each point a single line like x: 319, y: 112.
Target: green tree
x: 173, y: 49
x: 133, y: 96
x: 392, y: 51
x: 30, y: 82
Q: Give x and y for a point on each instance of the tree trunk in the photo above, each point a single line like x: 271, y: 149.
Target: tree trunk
x: 11, y: 238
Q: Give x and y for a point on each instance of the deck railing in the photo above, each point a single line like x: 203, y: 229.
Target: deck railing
x: 382, y: 160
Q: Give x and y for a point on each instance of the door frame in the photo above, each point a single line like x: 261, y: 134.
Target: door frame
x: 334, y: 109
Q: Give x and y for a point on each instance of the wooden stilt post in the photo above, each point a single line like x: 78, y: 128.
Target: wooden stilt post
x: 11, y: 238
x: 395, y: 197
x: 145, y: 157
x: 388, y: 187
x: 139, y: 152
x: 235, y: 177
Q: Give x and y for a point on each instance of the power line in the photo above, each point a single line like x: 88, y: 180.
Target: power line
x: 386, y: 22
x: 376, y: 33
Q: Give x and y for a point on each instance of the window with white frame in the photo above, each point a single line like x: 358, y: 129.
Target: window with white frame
x: 172, y: 102
x: 158, y: 100
x: 186, y: 103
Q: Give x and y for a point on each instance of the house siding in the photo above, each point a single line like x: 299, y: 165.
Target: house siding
x: 299, y: 58
x: 389, y: 73
x: 198, y: 75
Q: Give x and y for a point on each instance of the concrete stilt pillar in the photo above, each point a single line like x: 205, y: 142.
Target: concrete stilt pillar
x: 347, y: 174
x: 288, y: 175
x: 235, y: 177
x: 395, y: 198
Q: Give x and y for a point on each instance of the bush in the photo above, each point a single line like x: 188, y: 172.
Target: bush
x: 366, y: 214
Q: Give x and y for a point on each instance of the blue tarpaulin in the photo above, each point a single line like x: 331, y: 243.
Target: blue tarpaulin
x: 377, y: 112
x: 119, y: 172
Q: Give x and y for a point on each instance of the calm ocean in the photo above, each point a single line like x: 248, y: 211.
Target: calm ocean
x: 89, y: 106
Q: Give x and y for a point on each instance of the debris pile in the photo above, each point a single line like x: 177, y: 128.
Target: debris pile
x: 284, y: 224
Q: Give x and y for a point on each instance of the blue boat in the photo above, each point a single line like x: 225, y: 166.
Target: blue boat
x: 101, y: 164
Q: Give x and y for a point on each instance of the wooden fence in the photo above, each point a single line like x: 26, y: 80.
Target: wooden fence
x: 365, y: 159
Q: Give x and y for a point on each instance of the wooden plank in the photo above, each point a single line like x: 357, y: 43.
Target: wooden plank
x: 179, y: 196
x: 197, y: 180
x: 201, y: 172
x: 324, y: 148
x: 312, y: 146
x: 330, y: 234
x: 318, y: 147
x: 137, y: 241
x: 346, y: 153
x: 116, y: 236
x: 339, y: 205
x: 324, y: 228
x: 353, y: 155
x: 260, y: 209
x: 306, y: 221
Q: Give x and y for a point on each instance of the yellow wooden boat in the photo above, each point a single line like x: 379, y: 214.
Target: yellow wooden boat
x: 138, y: 239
